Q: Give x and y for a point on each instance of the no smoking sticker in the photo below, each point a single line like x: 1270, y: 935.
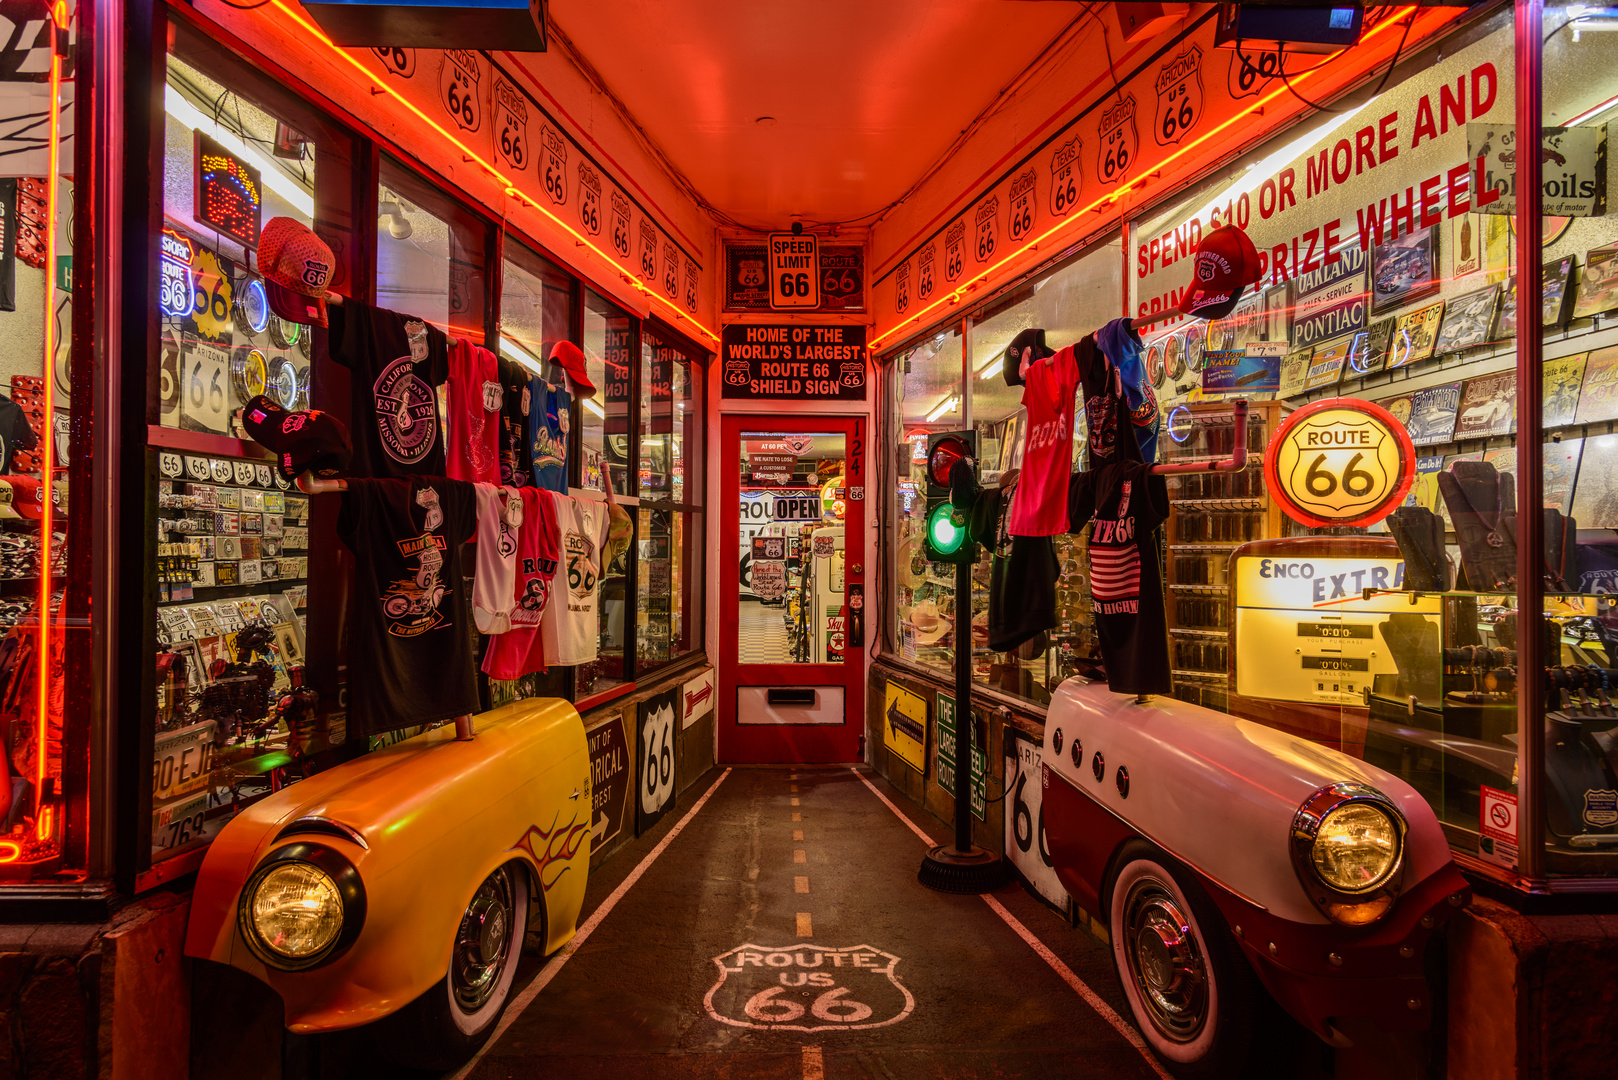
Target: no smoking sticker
x: 1497, y: 825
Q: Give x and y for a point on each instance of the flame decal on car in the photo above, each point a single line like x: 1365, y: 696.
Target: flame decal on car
x: 558, y: 844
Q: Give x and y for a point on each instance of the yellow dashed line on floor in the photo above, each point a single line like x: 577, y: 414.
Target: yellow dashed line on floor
x: 805, y: 927
x: 797, y: 834
x: 794, y: 787
x: 800, y: 884
x: 798, y: 856
x: 814, y: 1066
x: 797, y: 817
x: 794, y: 800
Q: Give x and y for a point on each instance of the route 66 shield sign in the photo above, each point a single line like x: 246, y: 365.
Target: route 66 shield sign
x: 954, y: 253
x: 1119, y: 141
x: 458, y: 89
x: 808, y: 988
x: 1065, y: 177
x: 1179, y: 97
x: 1020, y: 220
x: 988, y: 229
x: 510, y: 125
x: 901, y: 288
x: 925, y: 277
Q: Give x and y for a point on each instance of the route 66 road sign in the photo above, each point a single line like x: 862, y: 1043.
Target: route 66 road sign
x: 808, y: 988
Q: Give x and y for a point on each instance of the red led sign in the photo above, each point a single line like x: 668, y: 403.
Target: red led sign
x: 229, y: 196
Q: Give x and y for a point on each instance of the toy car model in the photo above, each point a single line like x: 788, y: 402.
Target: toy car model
x: 1216, y: 849
x: 400, y: 886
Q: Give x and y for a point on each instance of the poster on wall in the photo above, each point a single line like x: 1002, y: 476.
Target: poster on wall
x: 609, y: 780
x: 795, y: 362
x: 1025, y: 819
x: 655, y: 755
x: 904, y: 725
x: 1404, y: 269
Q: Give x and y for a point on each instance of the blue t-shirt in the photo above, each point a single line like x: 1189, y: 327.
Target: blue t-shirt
x: 549, y: 408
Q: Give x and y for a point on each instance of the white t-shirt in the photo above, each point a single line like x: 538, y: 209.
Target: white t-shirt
x: 569, y: 628
x: 495, y: 581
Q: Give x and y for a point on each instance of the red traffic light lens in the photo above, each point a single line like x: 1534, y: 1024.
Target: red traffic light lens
x: 946, y: 452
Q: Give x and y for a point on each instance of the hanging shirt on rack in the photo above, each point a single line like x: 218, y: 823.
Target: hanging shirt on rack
x: 1127, y: 504
x: 1121, y: 345
x: 513, y: 431
x: 549, y: 413
x: 410, y: 651
x: 396, y: 361
x: 572, y: 633
x: 521, y: 649
x: 499, y: 525
x: 1039, y: 507
x: 1022, y: 574
x: 16, y: 433
x: 475, y: 401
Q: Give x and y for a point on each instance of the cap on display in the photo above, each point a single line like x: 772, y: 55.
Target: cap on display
x: 571, y: 357
x: 312, y: 441
x: 27, y: 496
x: 1226, y: 262
x: 297, y: 266
x: 1033, y: 338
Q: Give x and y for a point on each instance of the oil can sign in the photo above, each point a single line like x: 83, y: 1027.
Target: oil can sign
x: 656, y: 757
x: 808, y: 988
x: 805, y: 363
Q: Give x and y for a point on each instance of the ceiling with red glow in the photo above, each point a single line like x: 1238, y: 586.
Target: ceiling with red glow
x: 861, y: 96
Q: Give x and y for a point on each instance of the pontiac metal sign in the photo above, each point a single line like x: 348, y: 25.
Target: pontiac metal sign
x: 1341, y: 461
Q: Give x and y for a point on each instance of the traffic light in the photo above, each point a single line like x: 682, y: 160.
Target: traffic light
x: 947, y: 539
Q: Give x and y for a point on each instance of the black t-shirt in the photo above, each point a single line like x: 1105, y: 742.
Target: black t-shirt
x: 1108, y: 419
x: 15, y: 432
x: 1022, y: 575
x: 513, y: 438
x: 396, y: 361
x: 1128, y: 503
x: 410, y: 649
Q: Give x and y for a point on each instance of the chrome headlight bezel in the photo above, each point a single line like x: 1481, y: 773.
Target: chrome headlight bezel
x: 1353, y: 907
x: 349, y: 888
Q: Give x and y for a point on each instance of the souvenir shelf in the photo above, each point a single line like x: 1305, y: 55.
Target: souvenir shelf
x: 1210, y: 515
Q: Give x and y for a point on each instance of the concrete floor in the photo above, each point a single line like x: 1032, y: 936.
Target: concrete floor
x: 799, y: 863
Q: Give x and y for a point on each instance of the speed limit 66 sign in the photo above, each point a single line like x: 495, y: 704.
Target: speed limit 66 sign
x: 794, y: 271
x: 1341, y: 461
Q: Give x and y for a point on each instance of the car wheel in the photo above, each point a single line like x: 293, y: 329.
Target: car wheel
x: 447, y: 1024
x: 1193, y: 995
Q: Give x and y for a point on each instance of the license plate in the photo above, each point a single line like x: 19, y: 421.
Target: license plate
x: 181, y: 760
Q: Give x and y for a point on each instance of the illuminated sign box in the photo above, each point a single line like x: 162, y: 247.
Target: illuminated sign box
x: 510, y: 25
x: 229, y: 193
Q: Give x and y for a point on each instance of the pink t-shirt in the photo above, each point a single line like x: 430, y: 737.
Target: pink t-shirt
x: 1039, y: 506
x: 520, y: 649
x: 475, y: 398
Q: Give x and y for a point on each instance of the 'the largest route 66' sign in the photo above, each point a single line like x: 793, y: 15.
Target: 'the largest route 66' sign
x: 460, y: 89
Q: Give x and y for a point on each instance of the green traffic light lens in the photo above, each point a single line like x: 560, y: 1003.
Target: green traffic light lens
x: 947, y: 537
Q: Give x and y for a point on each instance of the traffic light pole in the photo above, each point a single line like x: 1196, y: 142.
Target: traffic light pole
x: 962, y: 867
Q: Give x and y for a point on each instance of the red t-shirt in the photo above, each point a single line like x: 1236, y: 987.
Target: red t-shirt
x: 518, y: 651
x: 475, y: 399
x: 1039, y: 507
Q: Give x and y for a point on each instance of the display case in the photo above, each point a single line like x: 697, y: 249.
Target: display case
x: 1210, y: 515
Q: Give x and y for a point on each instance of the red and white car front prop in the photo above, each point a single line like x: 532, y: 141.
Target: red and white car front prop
x: 1202, y: 838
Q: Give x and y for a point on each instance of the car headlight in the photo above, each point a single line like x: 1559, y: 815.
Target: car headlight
x: 302, y: 907
x: 1347, y: 848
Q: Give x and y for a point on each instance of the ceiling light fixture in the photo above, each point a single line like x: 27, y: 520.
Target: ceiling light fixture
x: 392, y: 210
x: 945, y: 407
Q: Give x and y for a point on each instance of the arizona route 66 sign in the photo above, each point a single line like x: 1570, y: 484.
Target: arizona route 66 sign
x: 1179, y: 97
x: 458, y: 88
x: 808, y: 988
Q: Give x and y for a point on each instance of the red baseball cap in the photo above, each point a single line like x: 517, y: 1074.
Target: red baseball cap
x: 27, y: 497
x: 297, y: 266
x: 571, y: 357
x: 1225, y: 263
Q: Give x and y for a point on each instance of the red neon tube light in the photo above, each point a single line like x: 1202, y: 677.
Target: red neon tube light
x: 47, y: 438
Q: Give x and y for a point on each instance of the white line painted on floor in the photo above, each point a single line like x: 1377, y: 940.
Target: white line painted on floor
x: 814, y: 1066
x: 1065, y: 973
x: 518, y: 1005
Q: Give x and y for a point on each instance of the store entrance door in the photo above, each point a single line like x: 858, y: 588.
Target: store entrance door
x: 791, y: 589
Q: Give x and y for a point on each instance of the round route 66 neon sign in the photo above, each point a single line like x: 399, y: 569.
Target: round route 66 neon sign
x: 1341, y: 461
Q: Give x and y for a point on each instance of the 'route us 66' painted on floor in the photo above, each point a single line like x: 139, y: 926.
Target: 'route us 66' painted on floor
x: 808, y: 988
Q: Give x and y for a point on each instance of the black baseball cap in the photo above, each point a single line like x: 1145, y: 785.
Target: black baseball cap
x: 1031, y: 338
x: 311, y: 441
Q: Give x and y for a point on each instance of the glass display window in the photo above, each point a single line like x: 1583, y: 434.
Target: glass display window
x: 670, y: 485
x: 236, y: 713
x: 604, y: 430
x: 430, y: 255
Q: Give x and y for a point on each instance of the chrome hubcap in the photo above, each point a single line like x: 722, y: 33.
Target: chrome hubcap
x: 482, y: 944
x: 1166, y: 962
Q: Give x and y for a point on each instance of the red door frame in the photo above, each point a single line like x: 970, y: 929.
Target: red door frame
x: 746, y: 743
